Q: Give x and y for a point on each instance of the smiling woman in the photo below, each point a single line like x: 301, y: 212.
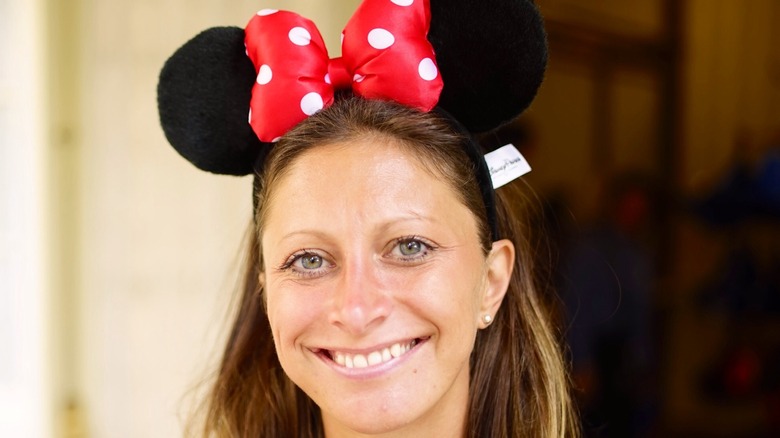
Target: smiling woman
x: 378, y: 274
x: 375, y: 288
x: 389, y: 288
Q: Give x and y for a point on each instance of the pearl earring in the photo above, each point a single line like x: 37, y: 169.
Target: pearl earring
x: 487, y: 319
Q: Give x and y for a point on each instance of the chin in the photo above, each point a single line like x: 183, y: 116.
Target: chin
x: 371, y: 421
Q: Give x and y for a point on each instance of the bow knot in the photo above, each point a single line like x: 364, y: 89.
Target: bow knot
x: 386, y: 55
x: 339, y: 75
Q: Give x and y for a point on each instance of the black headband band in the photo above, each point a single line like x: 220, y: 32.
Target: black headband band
x: 481, y: 172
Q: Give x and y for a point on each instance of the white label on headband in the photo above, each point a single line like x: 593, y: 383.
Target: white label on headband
x: 506, y: 164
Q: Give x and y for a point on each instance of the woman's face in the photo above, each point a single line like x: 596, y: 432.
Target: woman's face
x: 375, y: 285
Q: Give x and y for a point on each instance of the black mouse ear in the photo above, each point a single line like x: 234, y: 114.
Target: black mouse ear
x: 203, y: 98
x: 491, y: 54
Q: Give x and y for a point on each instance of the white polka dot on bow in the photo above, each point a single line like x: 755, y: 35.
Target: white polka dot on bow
x: 250, y: 116
x: 403, y: 2
x: 380, y: 38
x: 358, y: 78
x: 327, y: 78
x: 264, y: 12
x: 311, y: 103
x: 265, y: 75
x: 427, y: 69
x: 299, y: 36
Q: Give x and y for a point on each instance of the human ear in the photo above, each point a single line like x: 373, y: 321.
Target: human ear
x: 500, y: 264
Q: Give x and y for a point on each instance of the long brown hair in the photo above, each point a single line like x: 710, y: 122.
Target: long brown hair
x: 518, y: 384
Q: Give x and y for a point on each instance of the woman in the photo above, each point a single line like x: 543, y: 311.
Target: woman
x: 389, y: 289
x: 389, y: 249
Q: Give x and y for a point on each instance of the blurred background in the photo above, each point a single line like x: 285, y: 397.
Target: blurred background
x: 655, y: 143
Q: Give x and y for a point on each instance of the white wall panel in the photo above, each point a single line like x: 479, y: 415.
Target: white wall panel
x: 24, y: 318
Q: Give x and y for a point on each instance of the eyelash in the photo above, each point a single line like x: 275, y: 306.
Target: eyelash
x: 289, y: 264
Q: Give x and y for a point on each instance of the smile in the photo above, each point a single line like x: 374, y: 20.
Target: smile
x: 380, y: 356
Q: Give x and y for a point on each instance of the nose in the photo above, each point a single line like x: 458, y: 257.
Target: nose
x: 360, y: 302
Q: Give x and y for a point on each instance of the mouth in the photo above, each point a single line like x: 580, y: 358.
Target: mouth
x: 372, y: 358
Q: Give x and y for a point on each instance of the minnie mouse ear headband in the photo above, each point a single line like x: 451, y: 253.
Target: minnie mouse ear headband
x: 229, y: 93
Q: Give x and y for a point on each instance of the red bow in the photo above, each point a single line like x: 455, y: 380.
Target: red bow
x: 386, y: 55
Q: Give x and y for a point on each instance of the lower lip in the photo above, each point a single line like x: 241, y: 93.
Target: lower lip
x: 372, y: 371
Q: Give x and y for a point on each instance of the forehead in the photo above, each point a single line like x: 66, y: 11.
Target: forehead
x: 368, y: 181
x: 358, y: 157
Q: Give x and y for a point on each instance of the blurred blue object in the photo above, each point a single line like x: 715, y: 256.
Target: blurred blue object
x: 744, y: 194
x: 768, y: 184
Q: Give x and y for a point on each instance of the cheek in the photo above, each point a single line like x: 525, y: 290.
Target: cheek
x: 450, y: 293
x: 291, y: 313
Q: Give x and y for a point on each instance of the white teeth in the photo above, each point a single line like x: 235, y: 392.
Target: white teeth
x: 360, y: 361
x: 374, y: 358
